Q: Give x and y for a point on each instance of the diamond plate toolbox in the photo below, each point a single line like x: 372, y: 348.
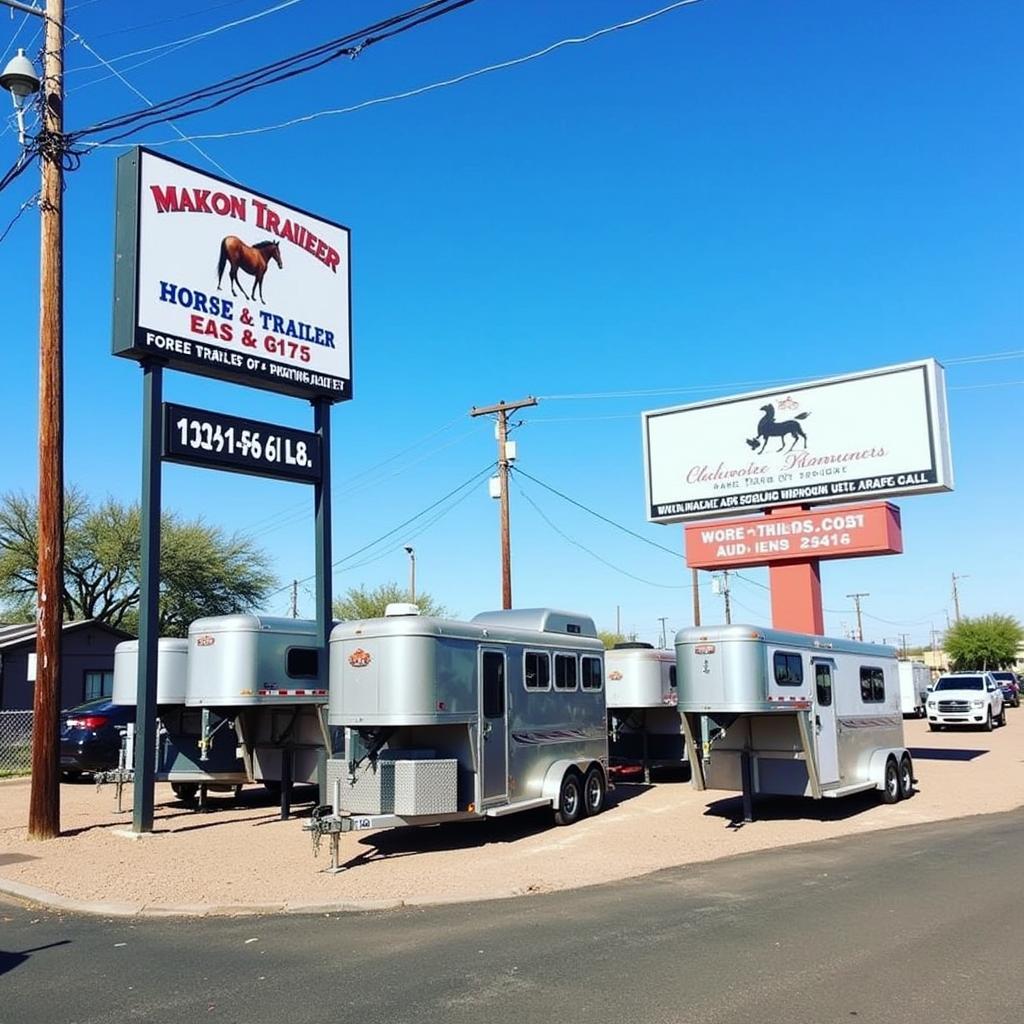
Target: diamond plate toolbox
x: 397, y: 785
x: 426, y: 787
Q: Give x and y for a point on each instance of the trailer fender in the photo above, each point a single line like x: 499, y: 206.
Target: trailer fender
x: 552, y: 787
x: 879, y: 758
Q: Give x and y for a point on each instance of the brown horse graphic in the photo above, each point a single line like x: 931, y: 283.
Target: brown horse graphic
x: 253, y: 259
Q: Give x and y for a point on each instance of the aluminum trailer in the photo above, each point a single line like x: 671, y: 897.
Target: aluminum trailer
x: 447, y: 720
x: 791, y: 715
x: 181, y: 759
x: 643, y: 721
x: 915, y: 679
x: 259, y: 678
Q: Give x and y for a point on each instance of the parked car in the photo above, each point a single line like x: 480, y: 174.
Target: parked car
x: 90, y: 736
x: 1010, y: 687
x: 966, y: 698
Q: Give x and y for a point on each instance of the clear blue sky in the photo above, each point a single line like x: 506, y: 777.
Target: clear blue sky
x: 736, y: 192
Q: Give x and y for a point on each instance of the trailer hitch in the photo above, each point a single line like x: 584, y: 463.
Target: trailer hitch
x: 325, y: 822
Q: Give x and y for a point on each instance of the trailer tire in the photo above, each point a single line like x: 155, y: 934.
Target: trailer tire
x: 186, y: 792
x: 891, y: 785
x: 594, y: 791
x: 906, y: 777
x: 570, y: 799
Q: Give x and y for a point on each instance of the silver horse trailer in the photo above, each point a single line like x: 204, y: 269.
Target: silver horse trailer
x: 643, y: 721
x: 790, y: 714
x: 259, y: 678
x: 448, y: 720
x: 179, y: 759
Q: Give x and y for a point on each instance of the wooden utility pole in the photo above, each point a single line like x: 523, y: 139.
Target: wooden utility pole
x: 956, y: 596
x: 664, y: 640
x: 725, y: 595
x: 295, y: 599
x: 44, y: 800
x: 501, y: 411
x: 856, y: 603
x: 696, y: 598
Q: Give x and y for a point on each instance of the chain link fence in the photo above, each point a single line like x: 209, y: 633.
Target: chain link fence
x: 15, y: 743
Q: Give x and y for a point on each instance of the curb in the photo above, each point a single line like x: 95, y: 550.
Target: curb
x: 98, y: 908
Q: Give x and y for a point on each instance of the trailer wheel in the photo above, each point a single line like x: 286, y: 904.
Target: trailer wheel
x: 594, y: 791
x: 906, y: 777
x: 570, y: 799
x: 891, y: 791
x: 185, y: 791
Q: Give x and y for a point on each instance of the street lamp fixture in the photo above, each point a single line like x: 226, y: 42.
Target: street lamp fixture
x: 19, y: 78
x: 412, y: 572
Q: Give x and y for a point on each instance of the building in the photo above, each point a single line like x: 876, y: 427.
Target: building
x: 87, y: 663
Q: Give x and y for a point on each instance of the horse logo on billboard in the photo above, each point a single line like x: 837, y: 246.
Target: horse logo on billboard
x: 253, y: 259
x: 768, y: 427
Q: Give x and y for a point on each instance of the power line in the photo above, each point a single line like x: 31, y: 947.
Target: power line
x: 210, y: 97
x: 446, y: 83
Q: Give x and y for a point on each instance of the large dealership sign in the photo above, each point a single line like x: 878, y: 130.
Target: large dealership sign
x: 876, y: 434
x: 216, y: 279
x: 795, y: 536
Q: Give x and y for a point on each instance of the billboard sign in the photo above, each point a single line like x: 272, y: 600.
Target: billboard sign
x: 795, y: 536
x: 876, y: 434
x: 216, y: 279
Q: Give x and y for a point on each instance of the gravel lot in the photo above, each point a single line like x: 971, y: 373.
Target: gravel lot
x: 243, y: 855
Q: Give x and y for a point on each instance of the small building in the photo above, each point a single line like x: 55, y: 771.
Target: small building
x: 87, y: 663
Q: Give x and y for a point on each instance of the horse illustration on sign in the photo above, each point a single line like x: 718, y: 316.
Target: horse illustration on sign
x: 253, y: 259
x: 768, y: 427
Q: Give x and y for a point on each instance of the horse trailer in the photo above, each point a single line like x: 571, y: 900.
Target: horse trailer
x: 767, y: 712
x: 181, y: 758
x: 643, y: 720
x: 260, y: 678
x: 448, y: 720
x: 915, y: 679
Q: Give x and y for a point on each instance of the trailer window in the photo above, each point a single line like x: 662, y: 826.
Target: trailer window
x: 672, y: 676
x: 789, y: 669
x: 872, y: 685
x: 303, y: 662
x: 823, y: 684
x: 493, y: 684
x: 590, y: 676
x: 537, y: 671
x: 565, y: 671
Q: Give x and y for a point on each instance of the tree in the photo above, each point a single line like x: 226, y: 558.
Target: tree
x: 362, y: 603
x: 985, y: 642
x: 203, y: 570
x: 610, y: 639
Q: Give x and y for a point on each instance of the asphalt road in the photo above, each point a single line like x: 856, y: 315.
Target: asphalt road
x: 918, y: 924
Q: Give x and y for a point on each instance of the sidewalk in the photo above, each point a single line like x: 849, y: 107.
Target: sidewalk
x: 243, y: 860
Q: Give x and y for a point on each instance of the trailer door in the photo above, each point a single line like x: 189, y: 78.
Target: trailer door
x: 827, y: 739
x: 493, y: 727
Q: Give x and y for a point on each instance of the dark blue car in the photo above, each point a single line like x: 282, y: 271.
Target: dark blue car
x: 90, y: 736
x: 1011, y: 688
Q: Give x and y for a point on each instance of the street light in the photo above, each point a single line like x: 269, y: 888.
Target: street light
x: 21, y: 81
x: 412, y: 573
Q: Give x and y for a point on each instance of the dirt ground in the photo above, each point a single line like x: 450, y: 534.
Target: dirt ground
x: 243, y: 855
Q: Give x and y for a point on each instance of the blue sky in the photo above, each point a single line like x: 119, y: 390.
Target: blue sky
x: 733, y: 193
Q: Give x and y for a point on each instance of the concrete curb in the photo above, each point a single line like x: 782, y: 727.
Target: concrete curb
x: 98, y: 908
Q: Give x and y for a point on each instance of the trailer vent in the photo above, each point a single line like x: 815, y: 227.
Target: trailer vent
x: 633, y: 645
x: 401, y: 608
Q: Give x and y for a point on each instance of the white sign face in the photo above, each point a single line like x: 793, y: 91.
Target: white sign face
x: 876, y: 434
x: 230, y: 283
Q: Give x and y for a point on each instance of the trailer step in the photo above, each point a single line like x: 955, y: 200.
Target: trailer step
x: 522, y: 805
x: 860, y: 787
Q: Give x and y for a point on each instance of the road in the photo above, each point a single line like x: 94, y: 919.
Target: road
x: 919, y: 924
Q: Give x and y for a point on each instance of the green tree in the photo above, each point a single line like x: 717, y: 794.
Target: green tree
x: 985, y: 642
x: 610, y: 639
x: 363, y: 603
x: 203, y: 571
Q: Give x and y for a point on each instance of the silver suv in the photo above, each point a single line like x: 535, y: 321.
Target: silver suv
x: 966, y: 698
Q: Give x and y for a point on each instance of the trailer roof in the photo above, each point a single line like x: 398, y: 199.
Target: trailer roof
x: 804, y: 641
x: 244, y: 622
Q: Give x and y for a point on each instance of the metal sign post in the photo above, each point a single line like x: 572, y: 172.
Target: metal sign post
x: 324, y: 597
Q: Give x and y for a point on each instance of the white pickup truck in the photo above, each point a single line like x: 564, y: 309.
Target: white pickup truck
x: 966, y: 698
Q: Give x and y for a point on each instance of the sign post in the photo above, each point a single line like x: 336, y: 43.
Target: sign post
x: 215, y: 279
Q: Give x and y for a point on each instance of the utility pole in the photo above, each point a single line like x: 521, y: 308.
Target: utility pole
x: 44, y: 798
x: 664, y: 642
x: 501, y: 411
x: 721, y: 586
x: 411, y: 552
x: 903, y: 640
x: 618, y: 621
x: 856, y: 603
x: 295, y: 599
x: 696, y: 597
x: 956, y: 596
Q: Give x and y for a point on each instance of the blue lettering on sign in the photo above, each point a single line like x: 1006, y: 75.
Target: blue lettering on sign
x: 192, y: 298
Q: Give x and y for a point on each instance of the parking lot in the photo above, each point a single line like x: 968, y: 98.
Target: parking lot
x: 242, y: 856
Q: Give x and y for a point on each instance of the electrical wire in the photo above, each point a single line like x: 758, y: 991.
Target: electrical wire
x: 604, y: 561
x: 217, y: 94
x: 31, y: 201
x: 445, y: 83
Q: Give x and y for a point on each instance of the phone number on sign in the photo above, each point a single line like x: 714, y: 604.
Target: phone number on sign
x: 201, y: 435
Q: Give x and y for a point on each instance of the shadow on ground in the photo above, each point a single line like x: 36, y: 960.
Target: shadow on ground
x: 9, y: 959
x: 944, y: 754
x: 792, y: 808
